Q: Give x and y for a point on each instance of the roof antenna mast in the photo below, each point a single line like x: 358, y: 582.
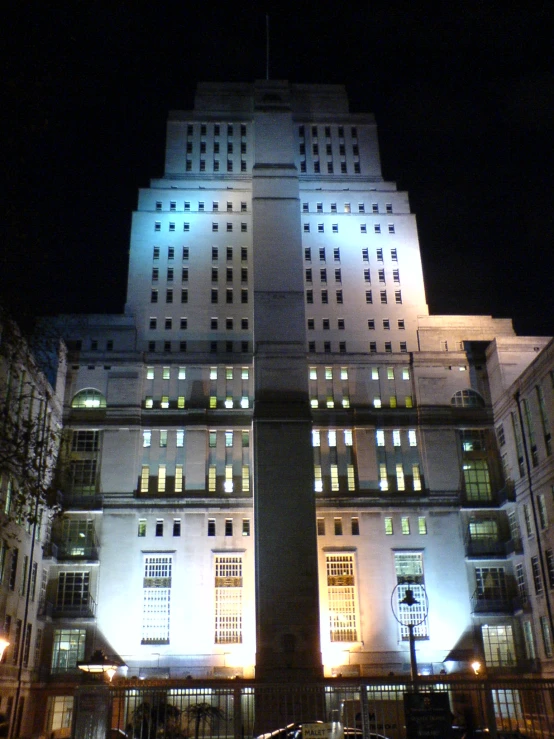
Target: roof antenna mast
x: 267, y: 46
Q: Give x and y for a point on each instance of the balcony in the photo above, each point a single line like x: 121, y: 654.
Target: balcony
x: 70, y: 550
x: 84, y: 608
x: 494, y: 601
x: 485, y: 547
x: 481, y: 547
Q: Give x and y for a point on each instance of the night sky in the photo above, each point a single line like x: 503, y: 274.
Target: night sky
x: 464, y: 100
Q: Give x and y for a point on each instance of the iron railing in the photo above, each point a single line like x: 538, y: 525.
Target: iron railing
x: 235, y: 709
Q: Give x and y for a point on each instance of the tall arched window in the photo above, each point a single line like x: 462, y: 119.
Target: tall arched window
x: 88, y: 398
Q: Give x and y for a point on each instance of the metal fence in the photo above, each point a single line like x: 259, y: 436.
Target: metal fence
x: 237, y: 709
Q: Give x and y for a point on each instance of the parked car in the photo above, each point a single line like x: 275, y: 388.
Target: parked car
x: 294, y: 731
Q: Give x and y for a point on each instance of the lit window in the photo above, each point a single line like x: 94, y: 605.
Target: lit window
x: 161, y: 478
x: 245, y: 478
x: 141, y: 527
x: 383, y: 478
x: 334, y: 478
x: 409, y: 576
x: 388, y: 526
x: 213, y: 401
x: 228, y: 403
x: 228, y: 484
x: 164, y: 403
x: 330, y: 402
x: 316, y: 438
x: 392, y: 401
x: 228, y: 599
x: 144, y: 478
x: 416, y: 477
x: 149, y: 402
x: 314, y: 403
x: 163, y: 438
x: 89, y: 399
x: 412, y: 439
x: 180, y: 401
x: 405, y: 525
x: 350, y: 477
x: 396, y: 437
x: 346, y: 402
x: 67, y: 650
x: 376, y: 402
x: 380, y: 437
x: 408, y: 401
x: 400, y: 484
x: 318, y: 484
x: 211, y: 478
x: 422, y: 525
x: 179, y: 438
x: 146, y: 438
x: 342, y: 597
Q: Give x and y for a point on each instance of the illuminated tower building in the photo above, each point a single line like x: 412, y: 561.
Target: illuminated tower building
x: 276, y: 433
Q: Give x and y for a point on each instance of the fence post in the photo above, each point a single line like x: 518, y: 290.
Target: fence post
x: 92, y: 714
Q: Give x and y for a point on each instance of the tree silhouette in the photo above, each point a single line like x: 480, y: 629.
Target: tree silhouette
x: 203, y: 714
x: 157, y: 719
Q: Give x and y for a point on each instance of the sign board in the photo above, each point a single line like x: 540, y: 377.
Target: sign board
x: 428, y: 716
x: 322, y: 731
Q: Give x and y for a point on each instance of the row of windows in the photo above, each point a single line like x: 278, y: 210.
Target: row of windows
x: 335, y: 228
x: 216, y: 165
x: 201, y: 206
x: 216, y: 128
x: 175, y: 527
x: 180, y: 438
x: 339, y: 296
x: 330, y: 167
x: 186, y: 255
x: 388, y: 482
x: 215, y: 225
x: 336, y: 255
x: 179, y: 403
x: 182, y: 323
x: 170, y: 274
x: 314, y: 129
x: 182, y: 372
x: 391, y: 372
x: 216, y: 148
x: 309, y: 275
x: 214, y: 296
x: 327, y: 347
x: 12, y: 630
x: 347, y: 208
x: 329, y: 373
x: 341, y: 324
x: 226, y: 482
x: 170, y: 295
x: 405, y: 526
x: 214, y: 347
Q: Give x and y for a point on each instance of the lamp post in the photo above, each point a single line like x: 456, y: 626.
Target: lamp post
x: 98, y: 664
x: 418, y: 618
x: 4, y: 644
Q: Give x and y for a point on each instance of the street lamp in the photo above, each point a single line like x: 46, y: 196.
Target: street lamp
x: 99, y: 664
x: 418, y: 618
x: 4, y: 644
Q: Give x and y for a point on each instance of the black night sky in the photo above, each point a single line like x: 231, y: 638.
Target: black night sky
x: 463, y: 96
